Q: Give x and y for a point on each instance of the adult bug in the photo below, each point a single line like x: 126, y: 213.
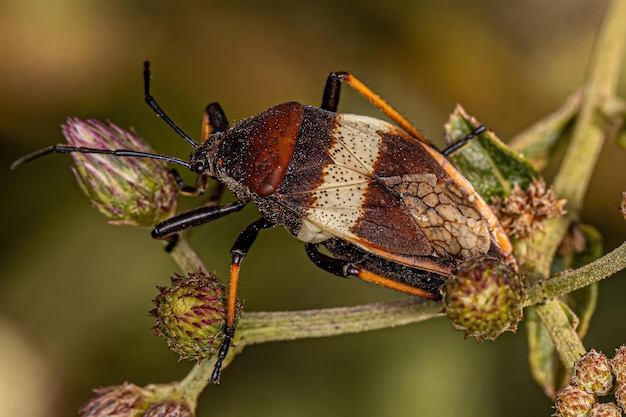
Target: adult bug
x: 383, y: 202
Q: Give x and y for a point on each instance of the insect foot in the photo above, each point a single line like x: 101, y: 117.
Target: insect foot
x: 484, y: 298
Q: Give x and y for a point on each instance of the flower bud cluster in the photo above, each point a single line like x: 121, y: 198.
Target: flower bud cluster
x: 595, y: 376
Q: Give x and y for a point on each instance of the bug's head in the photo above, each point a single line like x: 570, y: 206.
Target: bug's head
x: 203, y: 157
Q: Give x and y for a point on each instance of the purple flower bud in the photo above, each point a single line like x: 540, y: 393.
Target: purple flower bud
x: 128, y: 190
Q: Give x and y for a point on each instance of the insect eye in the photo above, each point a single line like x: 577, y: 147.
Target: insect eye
x: 199, y: 168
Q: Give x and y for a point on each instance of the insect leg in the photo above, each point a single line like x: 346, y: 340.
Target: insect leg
x: 330, y: 101
x: 191, y: 190
x: 352, y: 262
x: 194, y: 217
x: 213, y: 121
x: 459, y: 144
x: 238, y: 252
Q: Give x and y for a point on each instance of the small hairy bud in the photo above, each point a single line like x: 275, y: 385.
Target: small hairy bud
x: 126, y: 400
x: 618, y: 365
x: 168, y: 408
x: 484, y: 298
x: 605, y: 410
x: 191, y: 315
x: 524, y: 211
x: 128, y: 190
x: 620, y: 396
x: 592, y: 373
x: 572, y: 401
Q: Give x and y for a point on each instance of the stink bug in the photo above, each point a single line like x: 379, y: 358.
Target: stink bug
x: 383, y: 202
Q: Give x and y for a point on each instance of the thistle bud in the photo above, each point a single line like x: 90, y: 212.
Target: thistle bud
x: 484, y: 298
x: 168, y: 408
x: 572, y: 401
x: 592, y: 373
x: 605, y: 410
x: 620, y: 396
x: 128, y: 190
x: 127, y: 400
x: 618, y: 365
x: 191, y: 315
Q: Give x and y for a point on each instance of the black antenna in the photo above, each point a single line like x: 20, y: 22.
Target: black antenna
x: 117, y: 152
x: 157, y: 109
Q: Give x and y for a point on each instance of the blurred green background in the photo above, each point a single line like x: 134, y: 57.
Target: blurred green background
x: 75, y: 292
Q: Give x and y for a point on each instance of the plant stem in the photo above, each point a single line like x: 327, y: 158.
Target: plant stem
x: 572, y: 181
x: 564, y: 336
x: 259, y: 327
x: 569, y: 281
x: 588, y: 136
x: 262, y: 327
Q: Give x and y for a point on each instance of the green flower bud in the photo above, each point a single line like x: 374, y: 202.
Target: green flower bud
x: 128, y: 190
x: 191, y: 315
x: 572, y: 401
x: 592, y: 373
x: 484, y: 298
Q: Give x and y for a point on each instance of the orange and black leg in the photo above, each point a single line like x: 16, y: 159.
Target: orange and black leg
x: 238, y: 252
x: 330, y: 101
x: 348, y: 260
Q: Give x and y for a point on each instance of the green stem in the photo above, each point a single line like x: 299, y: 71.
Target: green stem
x: 573, y: 178
x: 259, y: 327
x: 565, y: 338
x: 568, y: 281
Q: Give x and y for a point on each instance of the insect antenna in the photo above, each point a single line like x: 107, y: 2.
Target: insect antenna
x: 157, y: 109
x: 117, y: 152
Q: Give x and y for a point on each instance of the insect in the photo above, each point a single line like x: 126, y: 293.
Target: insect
x: 385, y: 205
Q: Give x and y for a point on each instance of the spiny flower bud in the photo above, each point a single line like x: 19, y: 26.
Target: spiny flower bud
x: 484, y: 298
x: 592, y: 373
x: 524, y: 211
x: 128, y: 190
x: 605, y: 410
x: 127, y: 400
x: 191, y: 315
x: 618, y: 365
x: 168, y: 408
x: 572, y: 401
x: 620, y: 396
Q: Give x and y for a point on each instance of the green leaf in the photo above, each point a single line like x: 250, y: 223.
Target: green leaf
x: 485, y: 161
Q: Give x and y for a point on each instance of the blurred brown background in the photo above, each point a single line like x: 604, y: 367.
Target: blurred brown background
x: 75, y: 292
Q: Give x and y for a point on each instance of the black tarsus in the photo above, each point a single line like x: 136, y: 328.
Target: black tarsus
x: 335, y: 266
x: 192, y: 190
x: 229, y: 335
x: 459, y: 144
x: 240, y: 248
